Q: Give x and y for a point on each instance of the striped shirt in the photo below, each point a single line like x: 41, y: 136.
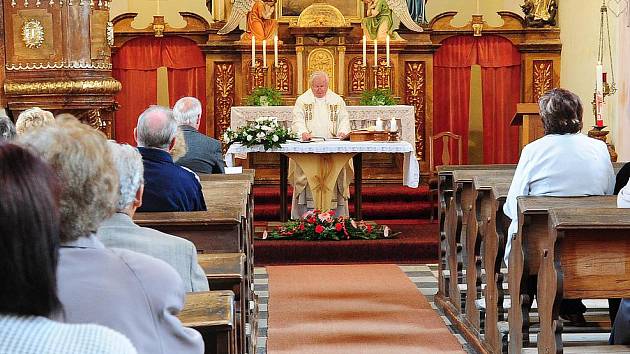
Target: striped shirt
x: 39, y: 335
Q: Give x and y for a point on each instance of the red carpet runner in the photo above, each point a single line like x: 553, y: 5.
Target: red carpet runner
x: 360, y: 309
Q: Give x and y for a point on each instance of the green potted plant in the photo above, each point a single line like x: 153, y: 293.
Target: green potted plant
x: 264, y: 96
x: 378, y: 97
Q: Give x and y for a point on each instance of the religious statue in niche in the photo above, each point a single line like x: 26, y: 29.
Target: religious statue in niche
x: 383, y: 18
x: 417, y: 10
x: 539, y: 13
x: 260, y: 21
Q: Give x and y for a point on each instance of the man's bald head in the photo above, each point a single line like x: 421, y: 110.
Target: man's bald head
x: 187, y: 111
x: 319, y: 84
x: 156, y: 128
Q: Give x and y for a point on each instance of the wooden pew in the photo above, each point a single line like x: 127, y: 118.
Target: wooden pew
x: 212, y: 314
x: 445, y: 194
x: 248, y: 174
x: 492, y: 230
x: 226, y: 271
x: 528, y: 246
x: 587, y: 255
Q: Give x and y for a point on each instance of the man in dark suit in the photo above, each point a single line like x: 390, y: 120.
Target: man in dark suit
x: 203, y: 153
x: 167, y: 187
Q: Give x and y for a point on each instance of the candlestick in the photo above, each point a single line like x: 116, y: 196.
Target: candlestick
x: 375, y: 54
x: 253, y: 51
x: 264, y: 53
x: 364, y: 51
x: 387, y: 49
x: 599, y: 94
x: 275, y: 51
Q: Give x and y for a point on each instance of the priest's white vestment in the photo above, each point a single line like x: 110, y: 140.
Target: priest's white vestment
x: 319, y: 123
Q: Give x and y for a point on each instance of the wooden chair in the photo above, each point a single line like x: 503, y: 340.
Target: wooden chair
x: 446, y: 138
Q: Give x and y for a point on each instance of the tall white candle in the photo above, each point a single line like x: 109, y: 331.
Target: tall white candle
x: 387, y: 49
x: 275, y: 51
x: 375, y: 54
x: 253, y: 51
x: 478, y: 8
x: 158, y: 7
x: 364, y: 51
x: 264, y: 53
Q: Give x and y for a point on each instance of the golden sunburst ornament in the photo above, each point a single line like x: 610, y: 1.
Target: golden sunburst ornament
x: 32, y: 33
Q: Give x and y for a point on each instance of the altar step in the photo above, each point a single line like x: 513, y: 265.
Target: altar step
x: 389, y: 202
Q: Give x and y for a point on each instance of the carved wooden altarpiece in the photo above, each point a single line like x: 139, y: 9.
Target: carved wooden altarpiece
x: 56, y: 55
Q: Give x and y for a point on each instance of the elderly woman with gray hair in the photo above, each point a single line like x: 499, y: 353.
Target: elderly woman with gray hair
x: 561, y: 163
x: 132, y: 293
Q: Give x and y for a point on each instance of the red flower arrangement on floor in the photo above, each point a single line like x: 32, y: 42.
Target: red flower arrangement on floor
x: 318, y: 225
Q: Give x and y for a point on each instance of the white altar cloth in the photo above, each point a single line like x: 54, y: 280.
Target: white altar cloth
x: 411, y: 168
x: 360, y: 117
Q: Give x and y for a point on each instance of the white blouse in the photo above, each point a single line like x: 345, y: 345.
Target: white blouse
x: 559, y: 165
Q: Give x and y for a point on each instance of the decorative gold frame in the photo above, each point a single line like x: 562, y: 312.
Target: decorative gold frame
x: 355, y: 18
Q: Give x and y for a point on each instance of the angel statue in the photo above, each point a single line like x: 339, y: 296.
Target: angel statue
x: 540, y: 12
x: 383, y: 18
x: 260, y: 23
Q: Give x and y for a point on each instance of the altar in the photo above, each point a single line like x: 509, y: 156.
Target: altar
x: 322, y: 162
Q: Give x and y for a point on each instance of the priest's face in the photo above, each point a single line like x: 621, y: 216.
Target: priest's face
x: 320, y: 86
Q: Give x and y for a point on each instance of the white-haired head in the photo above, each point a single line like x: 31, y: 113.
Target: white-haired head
x: 33, y: 118
x: 156, y: 128
x: 319, y: 83
x: 130, y: 170
x: 187, y: 111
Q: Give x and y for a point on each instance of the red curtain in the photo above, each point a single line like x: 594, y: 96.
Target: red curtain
x: 500, y: 63
x: 135, y: 66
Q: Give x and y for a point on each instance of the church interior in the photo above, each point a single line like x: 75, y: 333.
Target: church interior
x: 315, y: 176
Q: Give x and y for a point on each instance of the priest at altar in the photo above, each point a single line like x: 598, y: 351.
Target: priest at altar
x: 319, y: 113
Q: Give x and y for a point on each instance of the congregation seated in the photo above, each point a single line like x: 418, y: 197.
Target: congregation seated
x: 203, y: 153
x: 29, y: 251
x: 33, y: 118
x: 132, y: 293
x: 7, y: 129
x: 562, y: 163
x: 120, y: 231
x: 167, y: 186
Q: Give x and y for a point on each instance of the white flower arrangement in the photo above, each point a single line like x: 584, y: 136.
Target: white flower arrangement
x: 263, y: 131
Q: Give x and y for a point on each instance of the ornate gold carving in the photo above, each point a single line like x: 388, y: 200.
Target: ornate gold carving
x: 322, y: 59
x: 321, y: 15
x: 50, y: 66
x: 223, y: 95
x: 383, y: 74
x: 109, y: 33
x: 542, y: 78
x: 99, y: 46
x: 415, y: 95
x: 105, y: 86
x: 256, y: 75
x: 357, y: 76
x: 282, y: 76
x: 32, y: 33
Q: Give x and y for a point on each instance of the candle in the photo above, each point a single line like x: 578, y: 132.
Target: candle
x: 264, y: 53
x: 478, y: 7
x: 253, y: 51
x: 375, y: 54
x: 387, y: 49
x: 393, y: 126
x: 599, y: 94
x: 158, y: 7
x: 275, y: 51
x: 364, y: 51
x: 379, y: 124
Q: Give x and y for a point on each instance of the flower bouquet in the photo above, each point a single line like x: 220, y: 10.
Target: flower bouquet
x: 263, y: 131
x: 318, y: 225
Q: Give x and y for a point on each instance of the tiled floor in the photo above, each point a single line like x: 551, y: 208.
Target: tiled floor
x: 423, y: 276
